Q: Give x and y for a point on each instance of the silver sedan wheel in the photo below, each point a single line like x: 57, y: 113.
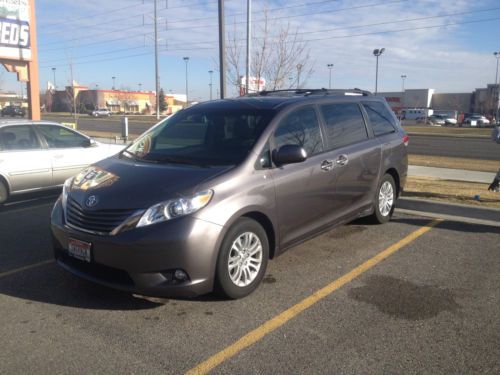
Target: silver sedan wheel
x: 385, y: 198
x: 245, y: 259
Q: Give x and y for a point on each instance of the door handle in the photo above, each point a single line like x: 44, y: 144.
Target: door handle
x: 327, y: 165
x: 342, y: 160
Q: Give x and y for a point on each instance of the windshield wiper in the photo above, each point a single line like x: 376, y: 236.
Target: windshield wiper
x: 176, y: 160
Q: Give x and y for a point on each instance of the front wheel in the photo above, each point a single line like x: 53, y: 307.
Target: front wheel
x: 385, y: 200
x: 242, y: 259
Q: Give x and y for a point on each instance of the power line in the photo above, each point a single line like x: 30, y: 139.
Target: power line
x: 307, y: 40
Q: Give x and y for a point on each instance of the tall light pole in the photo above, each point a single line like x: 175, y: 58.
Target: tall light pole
x: 114, y: 80
x: 222, y: 50
x: 330, y: 66
x: 186, y: 59
x: 497, y: 56
x: 211, y: 72
x: 403, y: 94
x: 140, y: 86
x: 299, y: 69
x: 249, y: 39
x: 377, y: 52
x: 157, y: 69
x: 54, y: 72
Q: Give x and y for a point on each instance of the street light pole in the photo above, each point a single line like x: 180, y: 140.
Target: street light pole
x: 222, y: 50
x: 157, y: 69
x: 114, y: 80
x: 299, y: 68
x: 249, y: 31
x: 497, y: 56
x: 54, y: 72
x: 211, y: 72
x: 330, y: 66
x: 377, y: 52
x: 140, y: 86
x: 186, y: 59
x: 403, y: 94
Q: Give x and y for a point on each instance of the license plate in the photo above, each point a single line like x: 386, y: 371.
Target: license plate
x: 79, y: 249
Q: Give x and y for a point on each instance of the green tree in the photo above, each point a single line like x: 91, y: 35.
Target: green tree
x: 163, y: 103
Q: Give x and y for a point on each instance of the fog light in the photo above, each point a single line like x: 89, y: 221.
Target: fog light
x: 180, y: 275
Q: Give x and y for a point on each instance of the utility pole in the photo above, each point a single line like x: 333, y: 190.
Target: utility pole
x: 73, y: 92
x: 249, y: 40
x: 211, y: 72
x: 299, y: 69
x: 54, y: 72
x: 157, y: 74
x: 222, y: 50
x: 186, y: 59
x: 377, y: 52
x: 497, y: 56
x: 330, y: 66
x: 403, y: 94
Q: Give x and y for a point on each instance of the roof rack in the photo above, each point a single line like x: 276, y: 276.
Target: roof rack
x: 309, y: 92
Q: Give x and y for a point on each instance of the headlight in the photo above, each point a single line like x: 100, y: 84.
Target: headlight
x: 64, y: 195
x: 175, y: 208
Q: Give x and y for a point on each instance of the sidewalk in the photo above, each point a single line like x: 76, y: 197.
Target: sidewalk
x: 450, y: 174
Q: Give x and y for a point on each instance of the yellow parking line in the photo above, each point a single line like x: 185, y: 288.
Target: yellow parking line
x: 25, y: 268
x: 279, y: 320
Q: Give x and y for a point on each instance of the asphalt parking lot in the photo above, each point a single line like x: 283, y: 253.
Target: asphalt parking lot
x: 413, y: 296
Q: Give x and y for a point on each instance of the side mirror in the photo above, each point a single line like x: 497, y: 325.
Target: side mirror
x: 289, y: 154
x: 89, y: 143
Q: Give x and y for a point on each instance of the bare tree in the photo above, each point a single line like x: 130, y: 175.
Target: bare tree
x: 280, y: 56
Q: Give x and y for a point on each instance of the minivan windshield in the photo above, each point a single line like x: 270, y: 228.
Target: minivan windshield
x: 203, y: 137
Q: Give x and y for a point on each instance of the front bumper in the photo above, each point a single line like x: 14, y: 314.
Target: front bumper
x: 143, y: 260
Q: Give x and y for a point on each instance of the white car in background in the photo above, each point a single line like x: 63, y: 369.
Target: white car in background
x: 101, y: 112
x: 42, y: 155
x: 478, y: 121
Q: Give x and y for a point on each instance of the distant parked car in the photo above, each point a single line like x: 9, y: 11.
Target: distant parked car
x: 436, y: 120
x: 478, y: 121
x: 13, y: 111
x: 102, y: 112
x: 42, y: 155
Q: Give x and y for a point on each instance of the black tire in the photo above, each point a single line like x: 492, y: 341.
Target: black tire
x: 224, y: 284
x: 4, y: 192
x: 379, y: 217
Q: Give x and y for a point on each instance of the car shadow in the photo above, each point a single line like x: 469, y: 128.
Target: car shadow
x: 457, y: 226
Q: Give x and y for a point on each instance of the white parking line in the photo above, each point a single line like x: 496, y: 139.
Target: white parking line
x: 25, y: 268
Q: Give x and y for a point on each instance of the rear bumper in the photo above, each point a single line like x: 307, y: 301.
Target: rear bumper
x: 143, y: 260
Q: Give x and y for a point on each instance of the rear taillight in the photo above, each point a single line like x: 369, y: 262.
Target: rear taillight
x: 406, y: 140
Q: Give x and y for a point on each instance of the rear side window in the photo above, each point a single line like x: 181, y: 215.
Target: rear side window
x: 344, y: 124
x: 61, y: 137
x: 380, y: 118
x: 18, y: 138
x: 301, y: 128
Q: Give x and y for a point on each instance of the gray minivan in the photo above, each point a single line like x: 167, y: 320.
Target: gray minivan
x: 205, y: 198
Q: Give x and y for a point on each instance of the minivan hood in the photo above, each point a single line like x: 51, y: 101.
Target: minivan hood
x: 124, y: 184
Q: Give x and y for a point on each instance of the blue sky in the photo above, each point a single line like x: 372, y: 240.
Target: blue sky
x: 101, y: 37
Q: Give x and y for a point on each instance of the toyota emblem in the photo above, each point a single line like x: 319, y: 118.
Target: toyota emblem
x: 91, y: 201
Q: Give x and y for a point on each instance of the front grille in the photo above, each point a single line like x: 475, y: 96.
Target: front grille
x: 102, y: 221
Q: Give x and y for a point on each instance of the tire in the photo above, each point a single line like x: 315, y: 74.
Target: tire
x: 4, y: 192
x: 227, y: 280
x: 383, y: 204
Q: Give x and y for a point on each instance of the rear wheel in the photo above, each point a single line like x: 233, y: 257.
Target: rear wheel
x: 242, y: 259
x: 385, y: 200
x: 4, y: 192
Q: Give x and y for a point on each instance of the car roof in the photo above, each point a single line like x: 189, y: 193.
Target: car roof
x: 25, y: 122
x: 277, y: 100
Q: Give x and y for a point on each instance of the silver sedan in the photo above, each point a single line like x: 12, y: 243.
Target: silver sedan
x: 42, y: 155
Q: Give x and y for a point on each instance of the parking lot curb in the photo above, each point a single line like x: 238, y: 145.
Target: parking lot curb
x: 458, y: 212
